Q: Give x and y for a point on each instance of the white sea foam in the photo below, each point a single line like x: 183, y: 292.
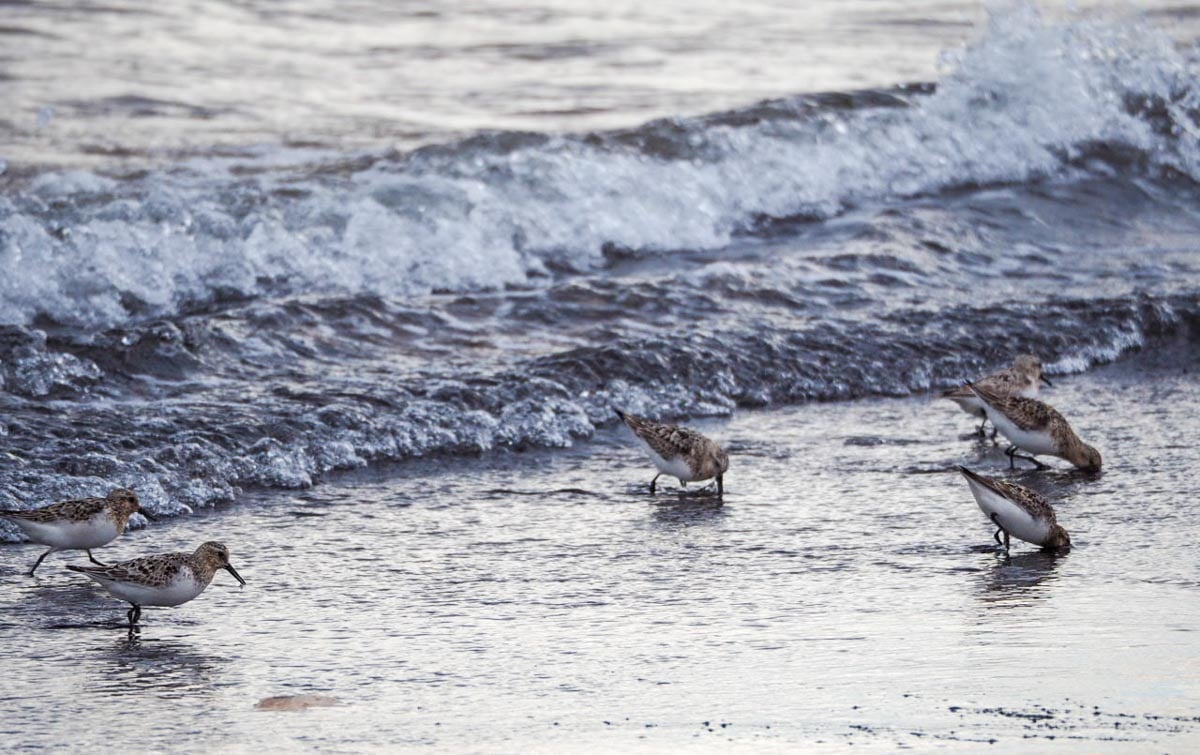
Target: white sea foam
x: 1016, y: 104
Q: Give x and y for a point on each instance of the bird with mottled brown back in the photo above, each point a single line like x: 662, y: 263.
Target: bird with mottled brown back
x: 1036, y: 427
x: 1018, y: 511
x: 679, y: 451
x: 1022, y: 379
x: 80, y: 524
x: 166, y: 579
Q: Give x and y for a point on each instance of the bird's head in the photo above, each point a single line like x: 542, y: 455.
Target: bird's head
x: 212, y: 556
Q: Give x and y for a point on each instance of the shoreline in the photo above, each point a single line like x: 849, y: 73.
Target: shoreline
x: 523, y: 600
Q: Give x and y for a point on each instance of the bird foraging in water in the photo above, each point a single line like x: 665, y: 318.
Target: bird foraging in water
x: 1017, y: 511
x: 679, y: 451
x: 81, y: 524
x: 1024, y: 378
x: 168, y: 579
x: 1037, y: 428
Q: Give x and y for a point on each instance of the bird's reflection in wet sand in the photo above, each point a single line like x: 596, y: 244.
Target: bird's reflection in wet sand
x: 70, y: 608
x: 687, y: 510
x: 1016, y: 580
x: 133, y: 665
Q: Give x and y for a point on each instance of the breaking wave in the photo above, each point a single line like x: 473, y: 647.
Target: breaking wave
x: 266, y: 318
x: 1027, y: 100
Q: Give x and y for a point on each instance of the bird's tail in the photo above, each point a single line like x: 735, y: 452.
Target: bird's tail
x: 967, y: 473
x: 987, y: 396
x: 958, y: 391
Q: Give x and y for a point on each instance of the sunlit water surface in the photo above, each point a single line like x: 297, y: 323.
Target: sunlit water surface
x: 106, y: 83
x: 249, y: 247
x: 845, y: 591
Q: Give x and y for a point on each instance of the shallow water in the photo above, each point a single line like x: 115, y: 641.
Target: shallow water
x: 371, y: 337
x: 846, y: 590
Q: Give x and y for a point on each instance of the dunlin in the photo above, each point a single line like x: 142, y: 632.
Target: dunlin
x: 1022, y: 379
x: 78, y: 525
x: 168, y: 579
x: 1037, y: 428
x: 1017, y: 511
x: 679, y: 452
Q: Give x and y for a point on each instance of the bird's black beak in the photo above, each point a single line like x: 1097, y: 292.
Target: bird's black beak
x: 1046, y: 380
x: 147, y: 514
x: 229, y: 568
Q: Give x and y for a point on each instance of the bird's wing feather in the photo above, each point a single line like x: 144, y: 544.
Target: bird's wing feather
x: 1026, y: 413
x: 77, y: 510
x: 1028, y: 500
x: 1001, y: 383
x: 668, y: 441
x: 149, y: 570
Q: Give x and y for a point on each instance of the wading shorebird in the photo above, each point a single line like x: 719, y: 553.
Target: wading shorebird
x: 168, y: 579
x: 1037, y: 428
x: 78, y: 525
x: 679, y: 452
x: 1024, y: 378
x: 1017, y: 511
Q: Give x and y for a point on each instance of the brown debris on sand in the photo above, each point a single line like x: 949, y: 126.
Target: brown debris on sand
x: 297, y: 702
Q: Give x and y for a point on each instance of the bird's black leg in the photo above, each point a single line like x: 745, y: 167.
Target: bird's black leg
x: 38, y: 563
x: 135, y: 615
x: 983, y: 416
x: 720, y: 484
x: 93, y: 558
x: 996, y: 521
x: 1012, y: 464
x: 1013, y: 455
x: 652, y: 482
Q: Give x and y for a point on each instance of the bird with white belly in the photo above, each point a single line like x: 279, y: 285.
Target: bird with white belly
x: 168, y: 579
x: 1017, y: 511
x: 679, y: 451
x: 80, y: 524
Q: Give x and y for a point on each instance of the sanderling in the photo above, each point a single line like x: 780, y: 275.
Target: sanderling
x: 168, y: 579
x: 679, y: 452
x: 1038, y: 428
x: 78, y: 525
x: 1017, y: 511
x: 1022, y: 379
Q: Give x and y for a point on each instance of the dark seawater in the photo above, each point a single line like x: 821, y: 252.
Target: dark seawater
x: 375, y: 348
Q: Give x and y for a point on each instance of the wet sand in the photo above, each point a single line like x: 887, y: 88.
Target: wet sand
x: 846, y: 591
